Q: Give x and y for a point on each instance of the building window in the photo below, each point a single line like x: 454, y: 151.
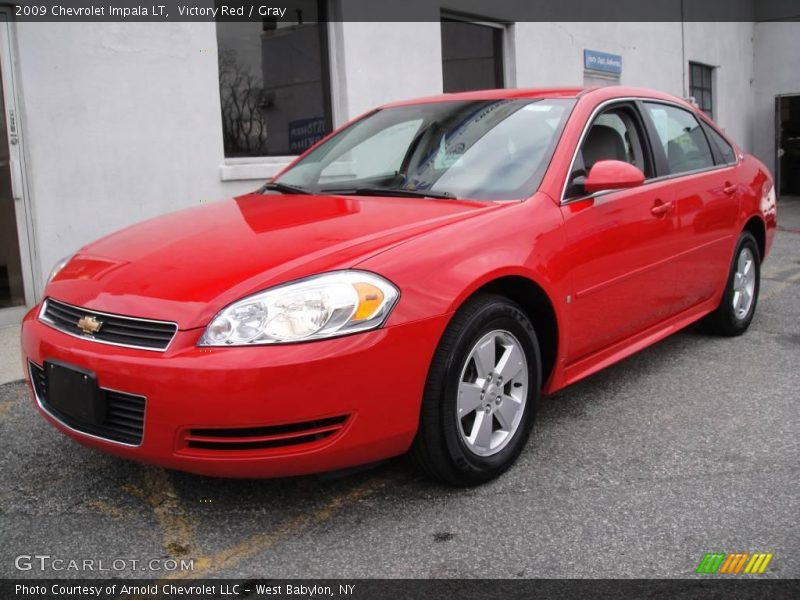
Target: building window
x: 701, y: 87
x: 472, y: 55
x: 274, y: 83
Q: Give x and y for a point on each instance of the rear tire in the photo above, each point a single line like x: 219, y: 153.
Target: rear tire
x: 477, y: 416
x: 738, y: 305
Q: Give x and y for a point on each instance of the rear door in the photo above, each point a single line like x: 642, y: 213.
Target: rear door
x: 700, y: 169
x: 620, y: 243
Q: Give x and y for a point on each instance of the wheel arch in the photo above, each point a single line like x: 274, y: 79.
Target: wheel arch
x: 537, y: 305
x: 758, y: 228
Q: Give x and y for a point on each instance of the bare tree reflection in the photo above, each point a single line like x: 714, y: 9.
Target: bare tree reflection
x: 244, y: 128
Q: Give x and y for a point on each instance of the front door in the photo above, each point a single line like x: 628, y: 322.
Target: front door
x: 624, y: 281
x: 15, y: 265
x: 621, y: 242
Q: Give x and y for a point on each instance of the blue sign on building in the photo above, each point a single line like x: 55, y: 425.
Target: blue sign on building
x: 304, y: 133
x: 602, y: 61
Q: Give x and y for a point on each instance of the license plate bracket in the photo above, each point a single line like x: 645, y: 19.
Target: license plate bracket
x: 73, y: 392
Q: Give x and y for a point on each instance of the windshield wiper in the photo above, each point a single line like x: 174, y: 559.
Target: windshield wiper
x: 379, y: 191
x: 276, y: 186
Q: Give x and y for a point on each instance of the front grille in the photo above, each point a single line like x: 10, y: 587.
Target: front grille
x: 115, y: 329
x: 261, y: 438
x: 124, y: 422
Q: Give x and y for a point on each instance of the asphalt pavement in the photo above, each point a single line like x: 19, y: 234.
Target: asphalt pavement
x: 688, y: 447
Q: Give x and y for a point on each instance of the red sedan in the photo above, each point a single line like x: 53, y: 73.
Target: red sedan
x: 414, y: 282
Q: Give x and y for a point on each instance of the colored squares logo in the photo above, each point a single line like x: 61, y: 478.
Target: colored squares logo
x: 734, y: 563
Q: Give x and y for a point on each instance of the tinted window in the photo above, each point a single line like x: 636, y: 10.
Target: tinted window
x: 725, y: 149
x: 273, y: 82
x: 613, y: 136
x: 681, y: 137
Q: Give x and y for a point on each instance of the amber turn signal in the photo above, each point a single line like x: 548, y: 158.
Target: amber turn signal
x: 370, y: 299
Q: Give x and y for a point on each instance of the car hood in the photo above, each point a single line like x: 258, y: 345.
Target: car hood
x: 186, y: 266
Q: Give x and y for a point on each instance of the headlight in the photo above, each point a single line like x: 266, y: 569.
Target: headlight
x: 58, y: 266
x: 319, y: 307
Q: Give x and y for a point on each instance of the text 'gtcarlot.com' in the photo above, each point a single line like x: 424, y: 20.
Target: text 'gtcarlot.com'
x: 45, y: 562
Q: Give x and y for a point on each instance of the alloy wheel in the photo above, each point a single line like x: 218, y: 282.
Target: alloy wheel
x: 744, y: 283
x: 492, y: 393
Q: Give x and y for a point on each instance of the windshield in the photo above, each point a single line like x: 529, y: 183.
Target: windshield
x: 480, y: 149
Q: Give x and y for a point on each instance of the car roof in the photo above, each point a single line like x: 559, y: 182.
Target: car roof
x: 496, y: 94
x: 596, y: 93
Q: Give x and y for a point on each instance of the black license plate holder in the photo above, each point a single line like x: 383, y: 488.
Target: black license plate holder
x: 74, y: 392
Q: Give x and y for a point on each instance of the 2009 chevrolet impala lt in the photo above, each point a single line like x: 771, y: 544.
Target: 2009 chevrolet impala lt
x: 414, y: 282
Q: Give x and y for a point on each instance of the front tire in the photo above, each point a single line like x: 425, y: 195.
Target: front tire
x: 481, y: 394
x: 738, y: 305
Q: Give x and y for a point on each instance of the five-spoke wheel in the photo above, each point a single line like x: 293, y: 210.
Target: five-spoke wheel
x: 492, y: 392
x: 739, y: 298
x: 744, y: 283
x: 481, y: 394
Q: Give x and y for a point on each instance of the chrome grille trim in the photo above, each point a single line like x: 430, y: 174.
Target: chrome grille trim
x: 54, y: 314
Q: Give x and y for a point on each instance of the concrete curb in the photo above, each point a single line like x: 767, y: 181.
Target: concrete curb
x: 10, y: 361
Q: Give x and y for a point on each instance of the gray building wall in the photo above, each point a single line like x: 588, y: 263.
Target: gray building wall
x: 776, y: 72
x: 654, y: 55
x: 120, y: 123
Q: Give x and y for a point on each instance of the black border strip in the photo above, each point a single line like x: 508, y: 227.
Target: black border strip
x: 733, y: 587
x: 509, y: 11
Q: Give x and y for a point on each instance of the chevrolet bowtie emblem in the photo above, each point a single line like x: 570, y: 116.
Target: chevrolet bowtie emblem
x: 89, y: 324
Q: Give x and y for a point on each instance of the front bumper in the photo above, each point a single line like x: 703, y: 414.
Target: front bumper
x: 371, y: 384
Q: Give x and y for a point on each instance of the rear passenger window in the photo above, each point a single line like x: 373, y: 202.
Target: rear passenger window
x: 682, y: 138
x: 725, y: 149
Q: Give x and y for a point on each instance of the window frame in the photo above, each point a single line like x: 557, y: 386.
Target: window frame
x: 710, y: 71
x: 505, y: 47
x: 662, y: 164
x: 715, y: 150
x: 660, y: 160
x: 264, y: 167
x: 631, y: 106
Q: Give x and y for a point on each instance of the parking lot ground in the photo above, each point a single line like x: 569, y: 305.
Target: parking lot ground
x: 688, y: 447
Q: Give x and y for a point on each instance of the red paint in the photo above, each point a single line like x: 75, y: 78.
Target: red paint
x: 636, y: 263
x: 612, y: 175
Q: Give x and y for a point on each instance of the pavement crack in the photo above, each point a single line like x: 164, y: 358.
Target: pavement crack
x: 159, y: 493
x: 5, y: 406
x: 106, y: 508
x: 291, y: 528
x: 10, y: 394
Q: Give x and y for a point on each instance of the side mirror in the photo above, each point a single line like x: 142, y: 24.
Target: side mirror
x: 612, y: 175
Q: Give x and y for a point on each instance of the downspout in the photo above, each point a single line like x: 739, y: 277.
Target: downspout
x: 683, y: 54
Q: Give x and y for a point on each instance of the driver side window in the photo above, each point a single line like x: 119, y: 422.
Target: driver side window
x: 614, y: 135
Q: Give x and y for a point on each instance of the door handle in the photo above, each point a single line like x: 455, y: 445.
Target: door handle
x: 660, y: 208
x: 729, y: 188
